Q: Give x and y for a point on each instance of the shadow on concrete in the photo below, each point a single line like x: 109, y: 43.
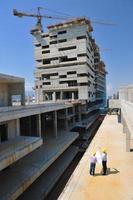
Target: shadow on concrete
x: 114, y: 171
x: 109, y: 171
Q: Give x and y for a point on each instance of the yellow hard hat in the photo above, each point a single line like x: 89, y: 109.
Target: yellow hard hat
x: 94, y: 153
x: 104, y: 150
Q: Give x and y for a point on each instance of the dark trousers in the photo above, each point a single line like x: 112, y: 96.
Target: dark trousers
x: 92, y: 168
x: 104, y: 163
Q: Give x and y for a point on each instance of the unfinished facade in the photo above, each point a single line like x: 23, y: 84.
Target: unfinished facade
x: 100, y: 75
x: 65, y: 62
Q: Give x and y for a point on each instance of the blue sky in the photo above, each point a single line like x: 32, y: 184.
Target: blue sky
x: 16, y: 43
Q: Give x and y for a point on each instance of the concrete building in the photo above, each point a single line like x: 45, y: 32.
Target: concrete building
x: 68, y: 67
x: 126, y: 93
x: 10, y: 86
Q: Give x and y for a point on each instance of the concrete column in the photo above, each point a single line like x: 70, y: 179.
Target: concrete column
x: 61, y: 95
x: 79, y: 113
x: 72, y: 95
x: 18, y: 127
x: 40, y: 94
x: 39, y: 125
x: 55, y: 123
x: 37, y: 96
x: 30, y: 126
x: 9, y: 100
x: 28, y: 99
x: 66, y: 119
x: 74, y: 115
x: 23, y: 99
x: 54, y: 96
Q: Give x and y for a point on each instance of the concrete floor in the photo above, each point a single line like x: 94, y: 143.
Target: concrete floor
x: 118, y: 183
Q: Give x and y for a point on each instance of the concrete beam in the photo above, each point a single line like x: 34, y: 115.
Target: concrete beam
x: 39, y: 125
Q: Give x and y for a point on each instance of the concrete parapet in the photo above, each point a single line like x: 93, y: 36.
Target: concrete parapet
x: 127, y: 121
x: 114, y: 103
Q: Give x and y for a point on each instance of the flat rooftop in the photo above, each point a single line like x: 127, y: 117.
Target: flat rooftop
x: 4, y: 78
x: 71, y: 22
x: 118, y: 183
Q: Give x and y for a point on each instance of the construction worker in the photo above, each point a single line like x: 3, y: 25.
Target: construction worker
x: 104, y: 161
x: 93, y: 161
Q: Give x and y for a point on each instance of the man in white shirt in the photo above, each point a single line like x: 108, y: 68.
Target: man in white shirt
x: 104, y: 161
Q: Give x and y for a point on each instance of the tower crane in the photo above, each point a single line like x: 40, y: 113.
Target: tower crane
x: 39, y: 17
x: 38, y: 29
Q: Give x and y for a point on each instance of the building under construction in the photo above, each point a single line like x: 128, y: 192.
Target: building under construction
x: 68, y: 65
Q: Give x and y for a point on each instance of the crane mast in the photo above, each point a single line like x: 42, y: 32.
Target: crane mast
x: 38, y: 16
x: 38, y: 28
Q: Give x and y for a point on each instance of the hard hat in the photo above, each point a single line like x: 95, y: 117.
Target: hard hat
x: 94, y: 153
x: 104, y: 150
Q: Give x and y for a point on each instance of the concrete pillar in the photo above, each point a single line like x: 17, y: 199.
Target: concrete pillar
x: 18, y: 127
x: 37, y: 96
x: 28, y: 99
x: 74, y: 115
x: 30, y: 126
x: 66, y: 119
x: 55, y: 123
x: 72, y: 95
x: 39, y: 125
x: 40, y: 94
x: 61, y: 95
x: 54, y: 96
x: 23, y: 99
x: 9, y: 100
x: 79, y: 112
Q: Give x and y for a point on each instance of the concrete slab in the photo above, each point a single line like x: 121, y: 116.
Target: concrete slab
x: 15, y: 180
x: 42, y: 186
x: 118, y: 184
x: 86, y: 123
x: 14, y: 112
x: 16, y: 148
